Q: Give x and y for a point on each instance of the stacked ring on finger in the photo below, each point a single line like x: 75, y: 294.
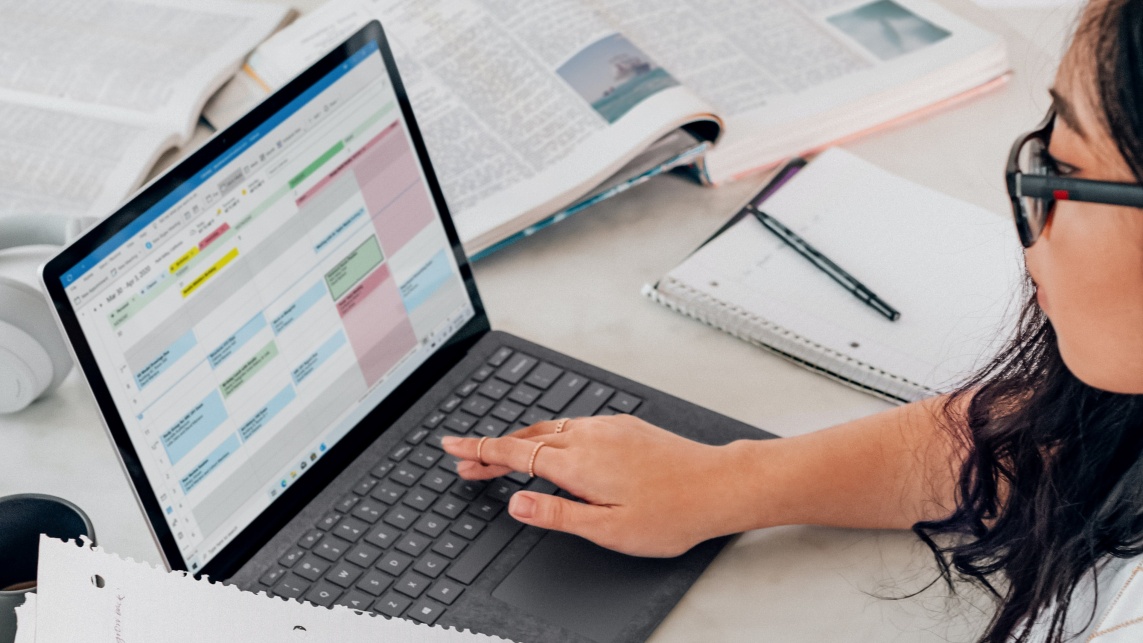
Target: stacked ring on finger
x: 560, y: 424
x: 532, y: 460
x: 479, y: 450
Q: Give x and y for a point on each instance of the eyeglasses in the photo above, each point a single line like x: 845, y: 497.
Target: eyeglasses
x: 1035, y: 184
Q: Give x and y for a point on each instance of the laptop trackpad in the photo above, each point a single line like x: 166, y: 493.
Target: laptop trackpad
x: 568, y: 581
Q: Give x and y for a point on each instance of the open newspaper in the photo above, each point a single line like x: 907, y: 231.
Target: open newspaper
x: 528, y: 106
x: 92, y: 93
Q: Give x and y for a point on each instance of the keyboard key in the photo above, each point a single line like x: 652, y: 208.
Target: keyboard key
x: 269, y: 578
x: 438, y: 480
x: 392, y: 604
x: 491, y: 427
x: 518, y: 477
x: 388, y: 492
x: 365, y: 485
x: 467, y: 527
x: 363, y: 555
x: 324, y: 594
x: 524, y: 394
x: 434, y: 439
x: 494, y: 389
x: 562, y: 392
x: 401, y: 517
x: 329, y: 521
x: 500, y: 356
x: 483, y: 373
x: 448, y: 463
x: 312, y: 568
x: 425, y: 611
x: 369, y: 510
x: 431, y: 525
x: 535, y: 416
x: 459, y: 423
x: 398, y: 454
x: 381, y: 470
x: 431, y: 565
x: 355, y: 600
x: 407, y: 474
x: 289, y: 558
x: 543, y: 375
x: 414, y: 544
x: 502, y: 490
x: 445, y: 590
x: 351, y: 529
x: 468, y: 489
x: 310, y: 539
x: 450, y: 545
x: 449, y: 507
x: 412, y: 584
x: 477, y: 405
x: 624, y: 402
x: 451, y: 404
x: 331, y: 548
x: 485, y: 509
x: 382, y: 536
x: 347, y: 502
x: 374, y: 582
x: 508, y: 411
x: 468, y: 566
x: 434, y: 420
x: 420, y: 499
x: 589, y: 401
x: 417, y: 436
x: 343, y: 574
x: 394, y: 563
x: 467, y: 388
x: 515, y: 368
x: 291, y: 586
x: 425, y: 457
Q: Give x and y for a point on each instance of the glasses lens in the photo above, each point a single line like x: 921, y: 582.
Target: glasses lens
x: 1034, y: 160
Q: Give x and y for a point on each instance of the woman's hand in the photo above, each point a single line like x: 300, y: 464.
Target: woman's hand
x: 645, y: 491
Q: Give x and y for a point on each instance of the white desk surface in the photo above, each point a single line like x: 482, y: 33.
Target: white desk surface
x: 575, y: 287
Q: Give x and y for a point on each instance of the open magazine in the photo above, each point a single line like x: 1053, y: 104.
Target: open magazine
x: 92, y: 93
x: 527, y: 107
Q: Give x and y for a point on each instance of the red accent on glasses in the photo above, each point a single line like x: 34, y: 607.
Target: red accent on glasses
x: 1060, y: 195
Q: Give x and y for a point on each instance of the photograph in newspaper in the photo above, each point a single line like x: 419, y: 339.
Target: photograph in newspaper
x: 614, y: 76
x: 887, y: 29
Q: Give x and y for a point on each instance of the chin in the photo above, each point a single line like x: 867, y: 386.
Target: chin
x: 1099, y: 371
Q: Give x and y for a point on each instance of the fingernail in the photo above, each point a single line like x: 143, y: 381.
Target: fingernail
x: 522, y: 506
x: 449, y: 441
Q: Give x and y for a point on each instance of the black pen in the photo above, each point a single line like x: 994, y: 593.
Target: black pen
x: 825, y: 265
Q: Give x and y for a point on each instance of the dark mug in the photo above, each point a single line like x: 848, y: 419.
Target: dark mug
x: 23, y: 518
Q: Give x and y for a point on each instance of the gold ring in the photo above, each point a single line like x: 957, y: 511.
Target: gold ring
x: 479, y: 449
x: 532, y: 460
x: 560, y: 424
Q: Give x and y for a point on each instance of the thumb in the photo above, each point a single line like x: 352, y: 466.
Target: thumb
x: 551, y: 512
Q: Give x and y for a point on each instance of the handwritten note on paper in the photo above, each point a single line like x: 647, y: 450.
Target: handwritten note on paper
x: 86, y: 594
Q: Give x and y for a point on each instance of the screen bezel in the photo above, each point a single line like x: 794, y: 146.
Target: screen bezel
x: 287, y: 505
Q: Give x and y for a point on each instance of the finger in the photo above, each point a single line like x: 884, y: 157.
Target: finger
x: 547, y: 427
x: 472, y: 470
x: 511, y: 452
x: 552, y: 512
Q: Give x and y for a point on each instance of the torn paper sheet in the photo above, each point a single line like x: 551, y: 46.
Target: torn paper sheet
x: 85, y: 594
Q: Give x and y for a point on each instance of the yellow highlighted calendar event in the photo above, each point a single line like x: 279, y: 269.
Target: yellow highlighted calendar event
x: 184, y: 260
x: 210, y: 272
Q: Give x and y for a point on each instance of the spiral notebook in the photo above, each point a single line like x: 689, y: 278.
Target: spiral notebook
x: 954, y: 271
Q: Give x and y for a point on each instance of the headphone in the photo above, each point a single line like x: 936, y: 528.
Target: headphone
x: 34, y: 359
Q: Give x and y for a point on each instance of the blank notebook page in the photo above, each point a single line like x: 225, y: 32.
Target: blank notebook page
x: 953, y: 270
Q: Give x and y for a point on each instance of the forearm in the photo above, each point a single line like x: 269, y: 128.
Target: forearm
x: 884, y: 471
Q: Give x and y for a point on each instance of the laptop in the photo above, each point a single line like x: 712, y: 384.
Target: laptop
x: 279, y: 331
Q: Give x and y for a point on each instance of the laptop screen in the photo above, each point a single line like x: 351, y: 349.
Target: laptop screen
x: 250, y: 318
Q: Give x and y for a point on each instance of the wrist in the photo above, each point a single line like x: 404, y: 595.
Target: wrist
x: 747, y: 490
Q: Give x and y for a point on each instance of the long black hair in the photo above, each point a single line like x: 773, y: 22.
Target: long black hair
x: 1052, y: 486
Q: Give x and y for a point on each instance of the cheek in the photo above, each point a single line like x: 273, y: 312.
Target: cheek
x: 1090, y: 266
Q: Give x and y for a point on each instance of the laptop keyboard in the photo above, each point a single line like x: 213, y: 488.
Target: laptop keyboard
x: 411, y: 535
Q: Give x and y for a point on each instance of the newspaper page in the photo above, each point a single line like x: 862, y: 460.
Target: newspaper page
x: 790, y: 76
x: 118, y: 72
x: 524, y: 106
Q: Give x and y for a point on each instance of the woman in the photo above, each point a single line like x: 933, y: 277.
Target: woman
x: 1027, y: 480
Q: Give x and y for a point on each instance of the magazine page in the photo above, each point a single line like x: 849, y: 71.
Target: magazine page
x: 524, y: 107
x: 93, y: 93
x: 790, y: 76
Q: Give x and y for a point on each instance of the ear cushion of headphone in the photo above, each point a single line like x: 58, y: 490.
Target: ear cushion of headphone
x: 25, y: 368
x: 25, y: 309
